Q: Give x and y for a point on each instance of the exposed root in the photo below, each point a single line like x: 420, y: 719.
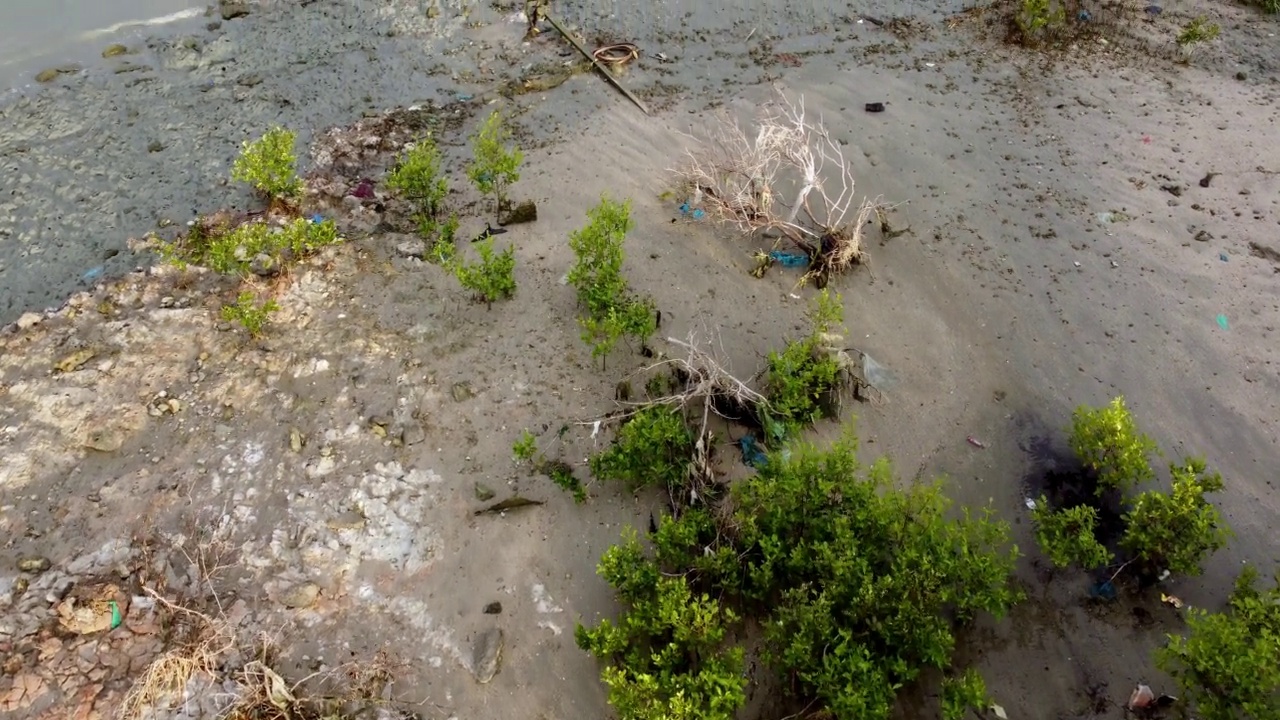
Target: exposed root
x: 737, y: 180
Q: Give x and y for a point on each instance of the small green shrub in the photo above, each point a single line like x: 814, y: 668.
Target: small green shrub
x: 269, y: 165
x: 610, y: 312
x: 1228, y: 664
x: 525, y: 450
x: 653, y: 447
x: 257, y: 246
x: 1036, y: 18
x: 1107, y: 441
x: 1196, y: 31
x: 419, y: 178
x: 493, y: 277
x: 251, y: 314
x: 1175, y: 531
x: 1067, y: 536
x: 665, y: 659
x: 962, y: 693
x: 1268, y: 6
x: 445, y: 248
x: 495, y: 165
x: 801, y: 379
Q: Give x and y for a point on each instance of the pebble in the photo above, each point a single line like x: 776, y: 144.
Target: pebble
x: 301, y: 597
x: 488, y: 654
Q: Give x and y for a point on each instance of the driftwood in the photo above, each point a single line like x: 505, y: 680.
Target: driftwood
x: 594, y: 61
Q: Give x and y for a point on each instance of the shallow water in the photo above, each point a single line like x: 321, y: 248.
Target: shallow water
x: 42, y: 33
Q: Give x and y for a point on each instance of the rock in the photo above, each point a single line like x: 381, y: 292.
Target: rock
x: 155, y: 146
x: 50, y: 74
x: 1204, y: 236
x: 1173, y: 189
x: 27, y: 690
x: 264, y: 265
x: 232, y: 9
x: 34, y: 564
x: 301, y: 597
x: 483, y: 494
x: 296, y: 441
x: 75, y: 360
x: 105, y: 440
x: 493, y: 608
x: 29, y: 320
x: 526, y: 211
x: 411, y: 248
x: 250, y: 80
x: 461, y: 391
x: 128, y: 67
x: 414, y: 434
x: 488, y: 653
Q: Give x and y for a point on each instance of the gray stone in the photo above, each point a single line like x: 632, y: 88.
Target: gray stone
x: 461, y: 391
x: 487, y: 655
x: 232, y: 9
x: 411, y: 248
x: 301, y: 597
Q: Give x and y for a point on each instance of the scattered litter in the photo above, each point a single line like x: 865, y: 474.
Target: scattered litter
x: 1204, y: 181
x: 510, y: 503
x: 317, y: 218
x: 1154, y: 10
x: 463, y: 97
x: 616, y: 54
x: 1084, y: 16
x: 789, y: 259
x: 1141, y: 697
x: 1164, y: 575
x: 976, y: 442
x: 875, y: 107
x: 1146, y: 139
x: 695, y: 213
x: 1104, y: 590
x: 752, y: 454
x: 595, y: 429
x: 1115, y: 264
x: 1076, y: 263
x: 1173, y: 600
x: 1222, y: 322
x: 877, y: 375
x: 999, y: 712
x: 364, y: 190
x: 929, y: 64
x: 594, y: 61
x: 93, y: 273
x: 1222, y: 256
x: 1031, y: 503
x: 488, y: 232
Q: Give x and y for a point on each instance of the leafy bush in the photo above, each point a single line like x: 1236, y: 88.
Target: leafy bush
x: 665, y: 658
x: 1228, y: 664
x: 269, y: 164
x: 864, y: 580
x: 495, y: 165
x: 653, y: 447
x: 1067, y: 536
x: 962, y: 693
x: 1107, y: 441
x: 493, y: 277
x: 526, y: 448
x: 251, y: 314
x: 258, y: 246
x: 610, y: 311
x: 1174, y: 531
x: 801, y: 379
x: 419, y: 178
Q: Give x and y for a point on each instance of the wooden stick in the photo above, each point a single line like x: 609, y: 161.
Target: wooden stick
x: 594, y: 61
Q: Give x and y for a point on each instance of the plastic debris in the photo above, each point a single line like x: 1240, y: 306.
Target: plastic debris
x: 695, y: 213
x: 317, y: 218
x: 1141, y: 697
x: 976, y: 442
x: 1222, y: 322
x: 1030, y: 503
x: 464, y: 97
x: 1173, y: 600
x: 1222, y: 256
x: 93, y: 273
x: 1154, y: 10
x: 875, y: 107
x: 752, y: 454
x: 877, y: 375
x: 789, y: 259
x: 999, y: 712
x: 1084, y: 16
x: 1104, y: 590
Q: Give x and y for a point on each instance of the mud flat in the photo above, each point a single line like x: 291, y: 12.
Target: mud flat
x: 322, y: 483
